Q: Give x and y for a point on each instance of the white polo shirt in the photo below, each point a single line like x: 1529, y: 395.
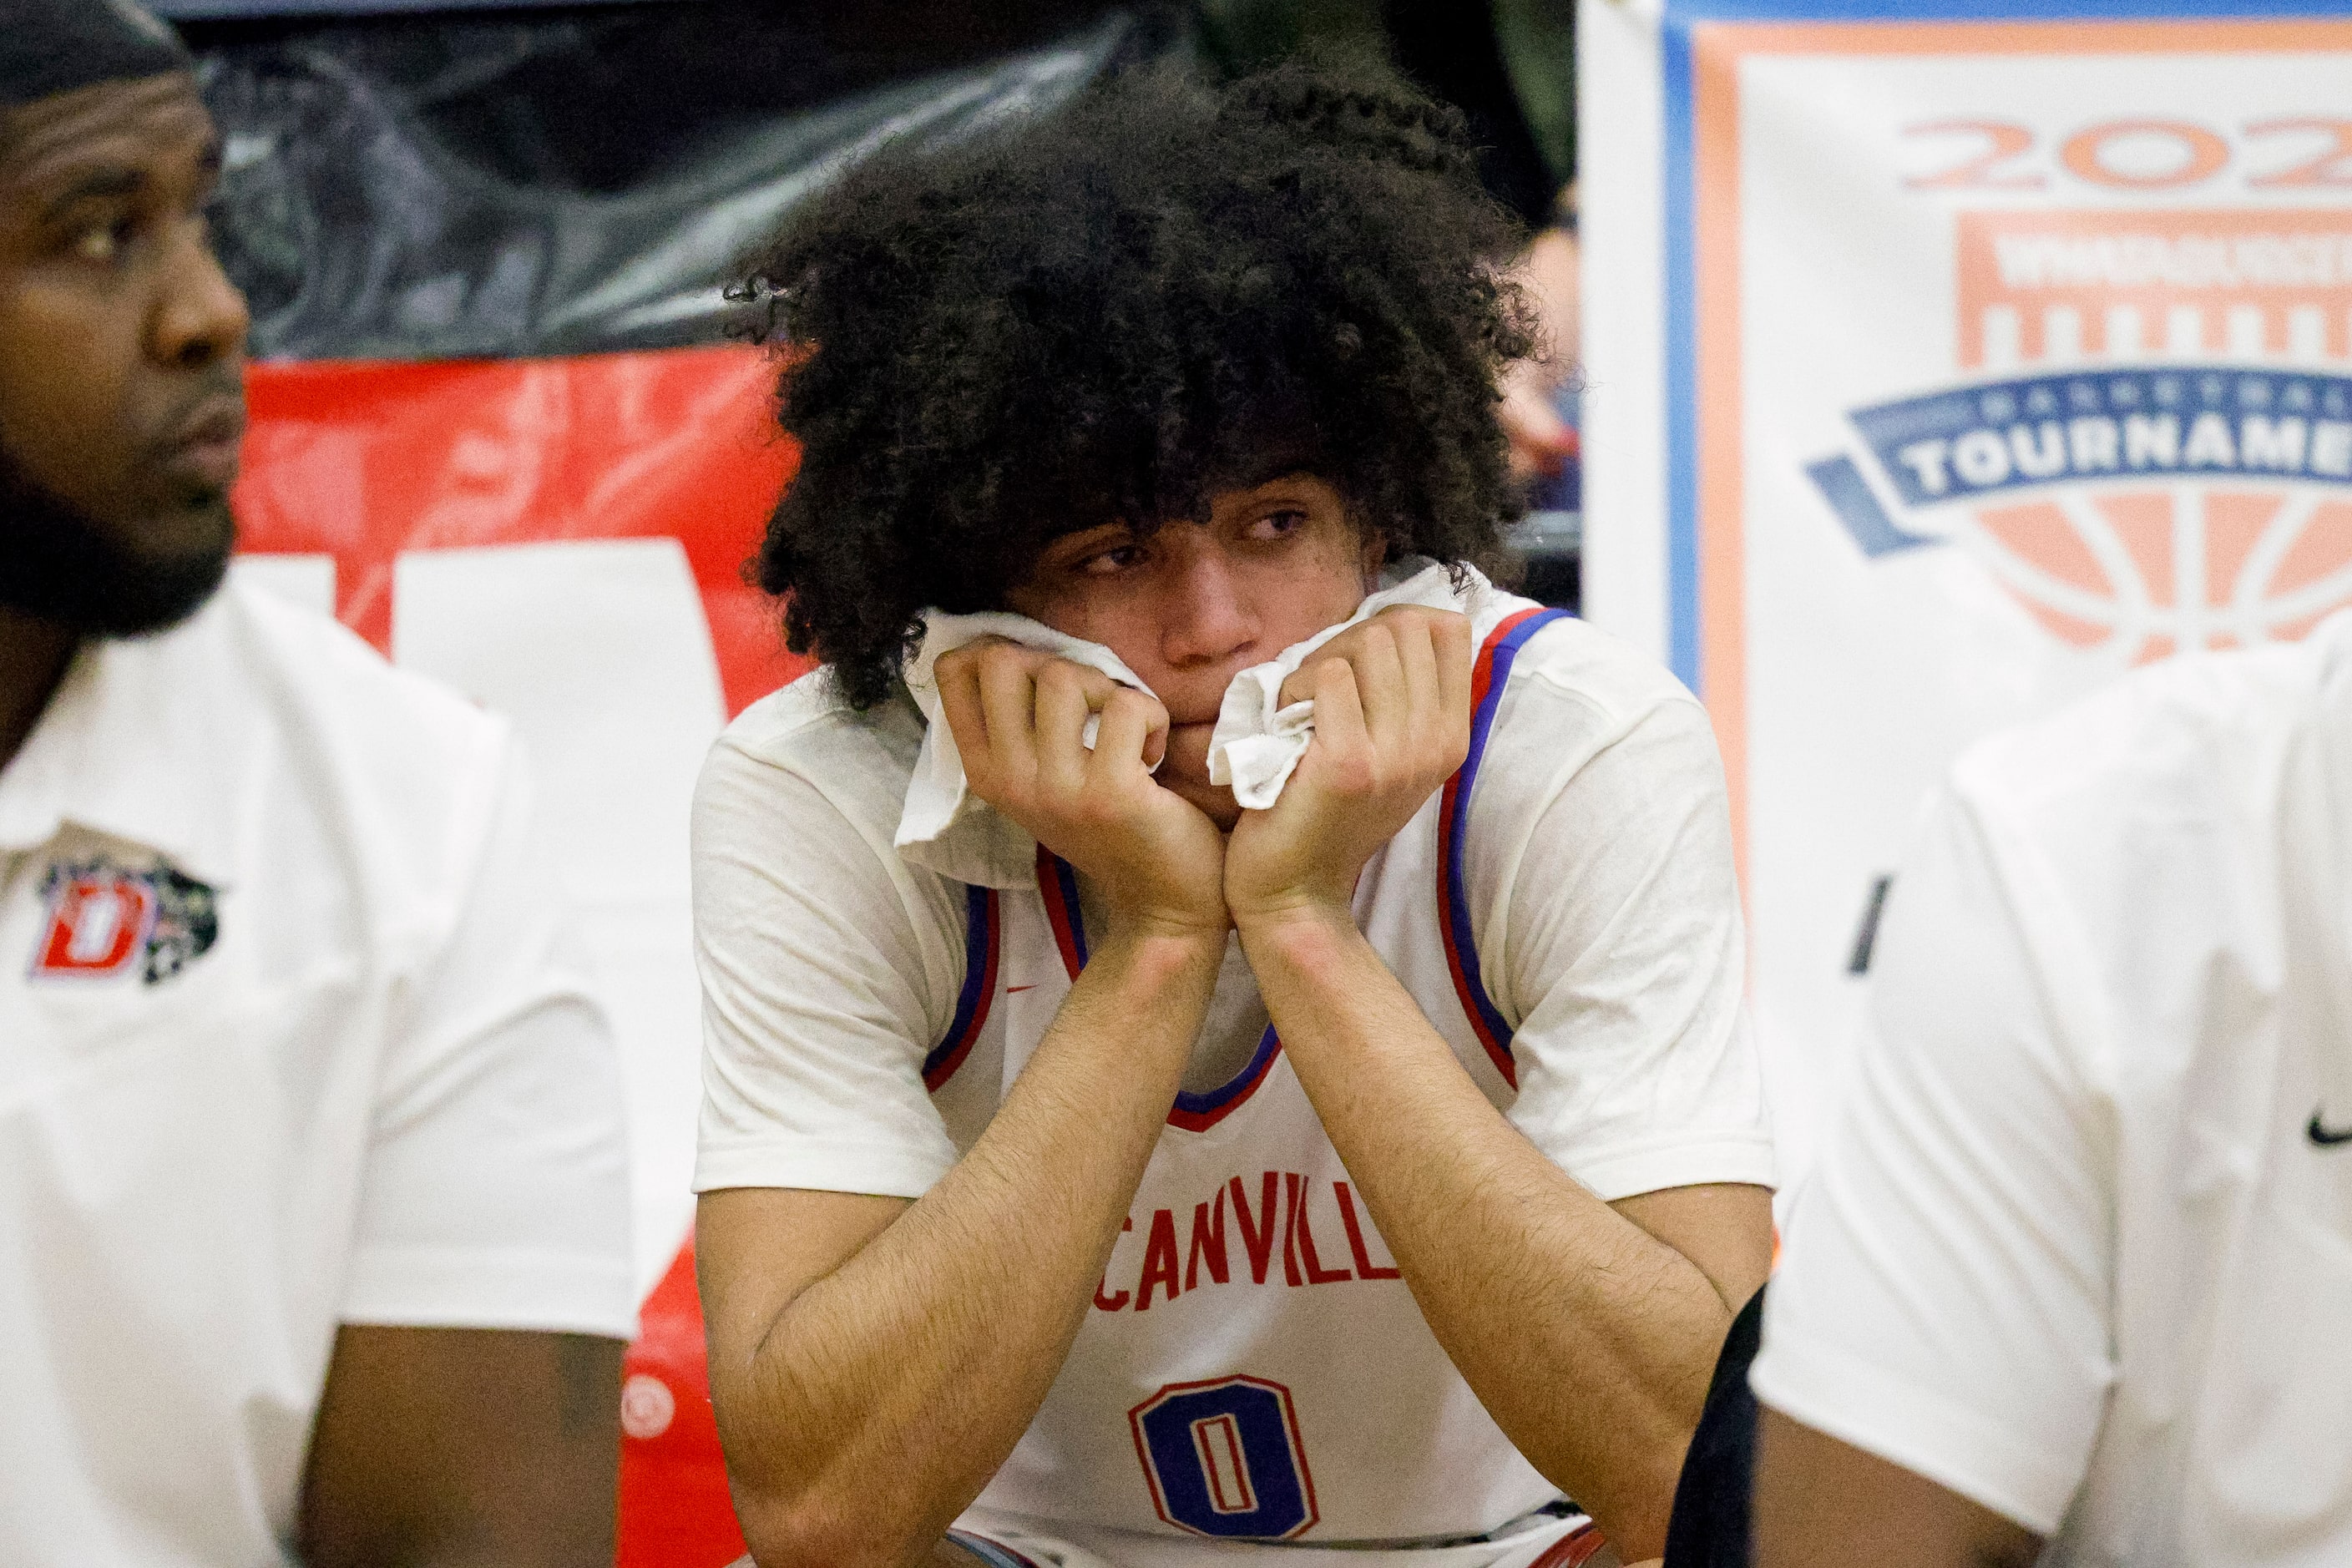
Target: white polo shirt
x: 291, y: 1036
x: 2081, y: 1246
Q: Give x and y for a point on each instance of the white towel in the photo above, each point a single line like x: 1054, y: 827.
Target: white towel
x: 1256, y: 745
x: 946, y: 828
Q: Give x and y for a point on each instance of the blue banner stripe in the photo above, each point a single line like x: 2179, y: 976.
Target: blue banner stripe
x: 1850, y: 496
x: 1682, y: 412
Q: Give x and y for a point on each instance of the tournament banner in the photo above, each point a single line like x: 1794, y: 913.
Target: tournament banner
x: 1946, y: 362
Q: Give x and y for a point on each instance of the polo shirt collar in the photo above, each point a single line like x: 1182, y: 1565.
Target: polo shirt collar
x: 105, y: 757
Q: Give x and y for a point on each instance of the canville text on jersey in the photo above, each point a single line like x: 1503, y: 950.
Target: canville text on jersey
x: 1274, y: 1238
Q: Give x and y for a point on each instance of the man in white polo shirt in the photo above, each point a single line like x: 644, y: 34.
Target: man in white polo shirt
x: 312, y: 1207
x: 2076, y: 1270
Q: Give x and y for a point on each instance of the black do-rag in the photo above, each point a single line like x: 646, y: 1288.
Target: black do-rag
x: 48, y: 47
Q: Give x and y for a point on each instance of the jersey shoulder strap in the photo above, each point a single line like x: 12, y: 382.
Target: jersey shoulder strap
x: 980, y: 951
x: 983, y: 942
x: 1488, y: 676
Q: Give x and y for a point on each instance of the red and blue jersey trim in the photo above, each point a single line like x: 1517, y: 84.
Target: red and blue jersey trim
x: 993, y: 1554
x: 979, y: 950
x: 1198, y: 1113
x: 1487, y: 679
x: 1057, y: 884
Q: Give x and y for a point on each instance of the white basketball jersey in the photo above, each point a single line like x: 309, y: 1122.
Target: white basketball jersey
x: 1253, y: 1366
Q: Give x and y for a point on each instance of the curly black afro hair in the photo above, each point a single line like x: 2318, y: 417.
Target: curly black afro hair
x: 1163, y: 291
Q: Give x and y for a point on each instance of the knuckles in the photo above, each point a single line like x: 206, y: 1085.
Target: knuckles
x: 1330, y: 669
x: 1061, y: 677
x: 1325, y: 669
x: 951, y: 666
x: 994, y: 655
x: 972, y: 657
x: 1446, y: 632
x: 1420, y: 620
x: 1124, y: 701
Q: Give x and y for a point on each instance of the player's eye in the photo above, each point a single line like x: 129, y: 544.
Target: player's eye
x: 101, y: 242
x: 1280, y: 523
x: 1106, y: 562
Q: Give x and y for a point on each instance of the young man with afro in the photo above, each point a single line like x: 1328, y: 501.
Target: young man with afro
x: 1369, y: 1172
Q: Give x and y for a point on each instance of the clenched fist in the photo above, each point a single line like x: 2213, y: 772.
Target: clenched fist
x: 1019, y: 717
x: 1391, y: 724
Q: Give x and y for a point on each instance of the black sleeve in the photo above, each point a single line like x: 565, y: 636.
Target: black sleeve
x: 1709, y: 1527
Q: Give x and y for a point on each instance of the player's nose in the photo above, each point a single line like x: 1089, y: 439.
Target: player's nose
x: 1206, y: 619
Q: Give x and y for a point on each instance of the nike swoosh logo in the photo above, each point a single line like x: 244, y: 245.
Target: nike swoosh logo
x: 2324, y: 1136
x: 1011, y: 989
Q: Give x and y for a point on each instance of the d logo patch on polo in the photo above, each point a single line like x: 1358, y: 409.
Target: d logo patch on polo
x: 106, y: 919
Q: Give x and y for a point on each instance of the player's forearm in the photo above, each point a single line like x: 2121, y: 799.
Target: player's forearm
x: 1822, y: 1500
x: 1588, y: 1340
x: 884, y: 1396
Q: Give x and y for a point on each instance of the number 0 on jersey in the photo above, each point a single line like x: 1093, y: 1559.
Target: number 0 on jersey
x: 1224, y: 1457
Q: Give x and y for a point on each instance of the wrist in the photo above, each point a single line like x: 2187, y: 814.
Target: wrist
x: 1159, y: 951
x: 1302, y: 925
x: 1192, y: 909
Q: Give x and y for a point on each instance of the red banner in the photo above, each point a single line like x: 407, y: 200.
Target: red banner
x: 366, y: 461
x: 362, y: 477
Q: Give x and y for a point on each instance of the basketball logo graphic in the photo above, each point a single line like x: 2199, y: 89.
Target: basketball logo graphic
x: 2160, y: 458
